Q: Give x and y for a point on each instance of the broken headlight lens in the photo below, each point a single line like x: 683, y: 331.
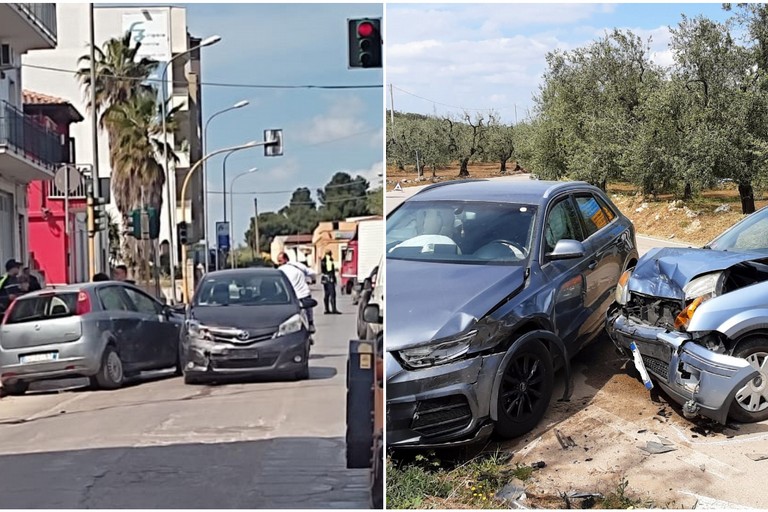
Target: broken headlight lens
x: 436, y: 354
x: 706, y: 287
x: 622, y: 289
x: 196, y: 330
x: 290, y: 326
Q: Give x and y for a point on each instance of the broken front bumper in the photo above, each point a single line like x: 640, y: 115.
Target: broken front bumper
x: 702, y: 381
x: 441, y: 406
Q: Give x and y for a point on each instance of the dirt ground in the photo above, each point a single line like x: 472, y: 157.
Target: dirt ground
x: 609, y: 417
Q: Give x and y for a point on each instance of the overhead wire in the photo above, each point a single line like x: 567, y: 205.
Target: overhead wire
x: 453, y: 106
x: 218, y: 84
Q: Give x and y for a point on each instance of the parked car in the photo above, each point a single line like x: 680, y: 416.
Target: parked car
x: 365, y: 330
x: 698, y: 319
x: 492, y: 286
x: 245, y: 322
x: 107, y: 331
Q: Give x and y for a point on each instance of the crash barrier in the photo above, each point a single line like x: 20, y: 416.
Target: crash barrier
x: 360, y: 376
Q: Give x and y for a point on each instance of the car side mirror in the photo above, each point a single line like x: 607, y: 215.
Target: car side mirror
x: 308, y: 303
x: 372, y: 314
x: 567, y: 250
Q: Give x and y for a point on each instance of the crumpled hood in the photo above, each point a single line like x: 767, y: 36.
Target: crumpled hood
x: 663, y: 272
x: 427, y: 300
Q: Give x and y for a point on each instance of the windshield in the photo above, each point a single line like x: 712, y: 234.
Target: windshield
x: 461, y: 232
x: 750, y: 235
x: 243, y: 290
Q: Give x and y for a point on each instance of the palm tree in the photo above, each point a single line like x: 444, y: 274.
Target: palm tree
x: 130, y: 114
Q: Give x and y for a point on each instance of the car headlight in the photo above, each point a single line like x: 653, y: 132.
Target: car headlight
x: 706, y: 287
x: 290, y: 326
x: 436, y: 354
x: 196, y: 330
x: 622, y: 289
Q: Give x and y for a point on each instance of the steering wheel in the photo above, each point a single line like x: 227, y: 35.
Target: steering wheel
x: 520, y: 251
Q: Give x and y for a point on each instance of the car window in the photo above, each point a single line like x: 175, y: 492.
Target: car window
x: 142, y: 302
x: 592, y: 215
x: 607, y: 210
x: 112, y: 299
x: 475, y: 232
x: 243, y: 289
x: 748, y: 235
x: 42, y: 307
x: 560, y: 225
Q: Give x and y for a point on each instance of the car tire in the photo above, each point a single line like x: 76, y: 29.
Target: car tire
x: 18, y: 388
x: 178, y: 370
x: 525, y: 389
x: 111, y: 374
x: 362, y: 325
x: 755, y: 350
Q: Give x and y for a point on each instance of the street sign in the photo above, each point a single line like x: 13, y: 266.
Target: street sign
x: 68, y: 175
x: 222, y: 235
x: 275, y: 140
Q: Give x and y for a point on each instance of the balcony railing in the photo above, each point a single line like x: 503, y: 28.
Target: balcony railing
x: 21, y: 134
x: 41, y: 15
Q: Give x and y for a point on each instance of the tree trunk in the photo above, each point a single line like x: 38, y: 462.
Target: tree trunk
x: 747, y: 195
x: 604, y: 185
x: 400, y: 166
x: 688, y: 192
x: 503, y: 169
x: 434, y: 171
x: 464, y: 171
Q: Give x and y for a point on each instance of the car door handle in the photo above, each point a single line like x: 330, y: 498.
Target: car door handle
x: 592, y: 265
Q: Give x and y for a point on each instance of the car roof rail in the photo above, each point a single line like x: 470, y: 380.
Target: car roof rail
x: 450, y: 182
x: 565, y: 185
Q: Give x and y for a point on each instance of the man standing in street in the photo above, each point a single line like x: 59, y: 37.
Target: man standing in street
x: 9, y: 284
x: 121, y: 274
x: 329, y: 284
x: 34, y: 283
x: 298, y: 273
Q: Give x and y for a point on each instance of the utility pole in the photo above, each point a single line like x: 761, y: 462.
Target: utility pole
x: 256, y: 225
x: 392, y: 109
x: 95, y: 144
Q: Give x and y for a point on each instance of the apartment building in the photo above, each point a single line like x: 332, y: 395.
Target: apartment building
x: 163, y: 34
x: 29, y: 151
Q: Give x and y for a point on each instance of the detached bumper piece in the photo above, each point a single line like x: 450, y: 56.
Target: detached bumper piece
x: 704, y: 381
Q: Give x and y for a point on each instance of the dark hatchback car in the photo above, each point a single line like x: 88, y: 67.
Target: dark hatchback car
x: 245, y: 323
x: 493, y: 285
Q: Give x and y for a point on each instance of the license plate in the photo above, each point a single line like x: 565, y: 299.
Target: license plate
x: 37, y: 358
x: 243, y: 354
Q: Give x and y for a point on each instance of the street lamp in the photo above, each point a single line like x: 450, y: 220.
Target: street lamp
x: 239, y: 104
x: 208, y: 41
x: 232, y: 213
x: 187, y: 178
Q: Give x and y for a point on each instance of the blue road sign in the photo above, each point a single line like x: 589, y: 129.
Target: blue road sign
x: 222, y: 235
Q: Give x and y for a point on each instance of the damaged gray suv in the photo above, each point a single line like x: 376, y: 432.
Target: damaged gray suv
x: 492, y: 286
x: 696, y: 322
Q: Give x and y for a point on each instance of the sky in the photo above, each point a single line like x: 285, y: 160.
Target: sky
x: 483, y: 56
x: 324, y: 131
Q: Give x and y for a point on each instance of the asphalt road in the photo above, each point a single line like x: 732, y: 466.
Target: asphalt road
x: 161, y: 444
x: 644, y: 243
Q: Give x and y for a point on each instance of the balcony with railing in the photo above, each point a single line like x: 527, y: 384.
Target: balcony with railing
x: 28, y: 26
x: 28, y: 151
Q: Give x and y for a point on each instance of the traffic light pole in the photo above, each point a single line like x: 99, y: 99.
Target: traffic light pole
x: 95, y: 144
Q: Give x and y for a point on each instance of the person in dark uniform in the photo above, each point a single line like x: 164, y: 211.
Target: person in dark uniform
x: 9, y: 284
x: 328, y: 268
x: 34, y: 283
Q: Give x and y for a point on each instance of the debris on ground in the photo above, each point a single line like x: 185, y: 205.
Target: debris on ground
x: 655, y: 448
x: 664, y: 441
x: 757, y: 457
x: 512, y: 491
x: 565, y: 441
x: 539, y: 465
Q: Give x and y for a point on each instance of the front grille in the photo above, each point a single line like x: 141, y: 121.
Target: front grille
x: 657, y: 367
x: 243, y: 364
x: 441, y: 416
x: 232, y: 336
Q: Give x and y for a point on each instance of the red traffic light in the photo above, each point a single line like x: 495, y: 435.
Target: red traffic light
x: 365, y: 29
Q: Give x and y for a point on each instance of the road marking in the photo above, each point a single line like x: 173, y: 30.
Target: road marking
x: 707, y: 503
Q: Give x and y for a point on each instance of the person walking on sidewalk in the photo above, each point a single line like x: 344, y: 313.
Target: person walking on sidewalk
x: 298, y: 273
x: 329, y: 284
